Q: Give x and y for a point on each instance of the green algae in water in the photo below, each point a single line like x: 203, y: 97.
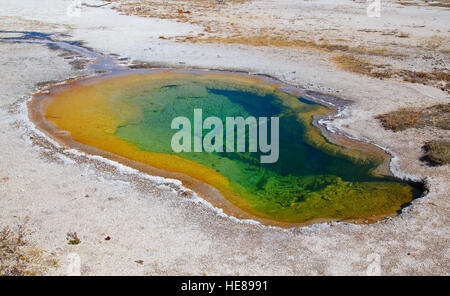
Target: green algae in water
x: 305, y: 183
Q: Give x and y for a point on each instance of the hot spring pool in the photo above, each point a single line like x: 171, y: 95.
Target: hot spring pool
x: 312, y: 180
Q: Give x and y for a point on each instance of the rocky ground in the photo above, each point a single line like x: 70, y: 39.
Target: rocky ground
x: 382, y: 64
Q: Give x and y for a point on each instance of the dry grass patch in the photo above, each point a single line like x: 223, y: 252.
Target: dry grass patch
x: 280, y: 42
x: 404, y: 3
x: 440, y: 78
x: 354, y: 64
x: 435, y: 116
x: 437, y: 152
x: 18, y: 257
x: 266, y: 40
x: 440, y: 3
x: 11, y: 258
x: 399, y: 120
